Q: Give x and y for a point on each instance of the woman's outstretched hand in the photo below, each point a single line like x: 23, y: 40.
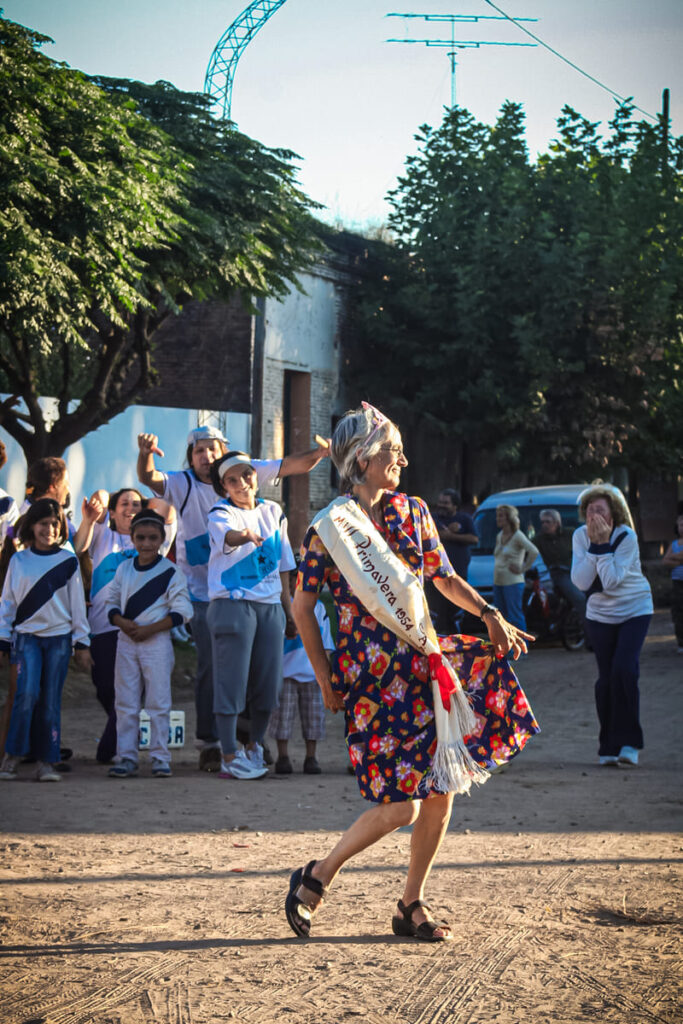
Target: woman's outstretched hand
x: 506, y: 638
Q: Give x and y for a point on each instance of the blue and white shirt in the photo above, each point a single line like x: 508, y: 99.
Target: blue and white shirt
x: 610, y: 576
x: 108, y: 549
x: 295, y: 663
x: 192, y: 501
x: 248, y: 572
x: 9, y: 513
x: 148, y: 593
x: 43, y: 595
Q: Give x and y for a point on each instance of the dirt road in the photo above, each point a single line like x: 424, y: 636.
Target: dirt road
x: 156, y: 900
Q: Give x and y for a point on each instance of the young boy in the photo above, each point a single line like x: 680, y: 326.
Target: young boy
x: 300, y: 687
x: 148, y: 597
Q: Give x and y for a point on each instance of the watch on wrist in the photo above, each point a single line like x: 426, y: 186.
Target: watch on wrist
x: 488, y: 608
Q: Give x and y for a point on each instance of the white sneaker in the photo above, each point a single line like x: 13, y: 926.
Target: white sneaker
x: 241, y: 767
x: 46, y: 773
x: 628, y: 757
x: 256, y: 756
x: 608, y: 759
x: 8, y: 768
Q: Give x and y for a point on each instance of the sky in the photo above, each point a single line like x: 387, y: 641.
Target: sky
x: 320, y: 79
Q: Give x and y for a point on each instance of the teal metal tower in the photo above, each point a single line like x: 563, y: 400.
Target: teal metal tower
x: 220, y: 74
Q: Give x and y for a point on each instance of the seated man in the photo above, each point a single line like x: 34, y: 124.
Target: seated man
x: 555, y: 545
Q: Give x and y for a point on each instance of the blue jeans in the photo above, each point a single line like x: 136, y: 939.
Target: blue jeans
x: 509, y: 600
x: 42, y: 663
x: 617, y: 647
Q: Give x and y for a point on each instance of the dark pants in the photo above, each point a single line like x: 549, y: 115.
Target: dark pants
x: 562, y: 583
x: 617, y: 649
x: 203, y: 687
x: 103, y: 653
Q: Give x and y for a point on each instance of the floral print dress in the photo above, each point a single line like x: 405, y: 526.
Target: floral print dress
x: 389, y: 709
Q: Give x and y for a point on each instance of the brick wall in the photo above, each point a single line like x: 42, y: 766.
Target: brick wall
x: 203, y: 358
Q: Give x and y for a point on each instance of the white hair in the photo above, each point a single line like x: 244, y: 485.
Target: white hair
x: 551, y: 513
x: 354, y: 428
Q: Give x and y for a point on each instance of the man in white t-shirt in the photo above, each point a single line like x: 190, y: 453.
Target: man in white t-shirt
x: 192, y: 495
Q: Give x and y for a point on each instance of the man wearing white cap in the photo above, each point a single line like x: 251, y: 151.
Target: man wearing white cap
x: 192, y: 495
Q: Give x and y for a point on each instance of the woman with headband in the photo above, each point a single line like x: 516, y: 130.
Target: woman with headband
x: 249, y: 609
x: 414, y: 737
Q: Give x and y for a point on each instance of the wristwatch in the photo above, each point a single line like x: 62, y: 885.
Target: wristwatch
x: 486, y: 609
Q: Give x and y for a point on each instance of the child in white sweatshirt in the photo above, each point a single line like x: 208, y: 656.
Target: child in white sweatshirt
x: 42, y: 614
x: 147, y: 598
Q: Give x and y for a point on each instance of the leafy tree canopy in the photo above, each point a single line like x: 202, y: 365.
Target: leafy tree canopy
x: 535, y: 309
x: 120, y: 201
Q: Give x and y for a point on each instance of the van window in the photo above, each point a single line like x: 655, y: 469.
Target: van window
x: 529, y: 523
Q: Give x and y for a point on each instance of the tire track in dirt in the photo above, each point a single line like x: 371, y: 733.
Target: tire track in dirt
x: 126, y: 988
x: 614, y: 995
x: 445, y: 996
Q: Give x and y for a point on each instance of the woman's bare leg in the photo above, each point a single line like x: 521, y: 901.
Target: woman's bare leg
x: 372, y: 825
x: 428, y: 833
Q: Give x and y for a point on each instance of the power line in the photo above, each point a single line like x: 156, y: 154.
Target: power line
x: 623, y: 99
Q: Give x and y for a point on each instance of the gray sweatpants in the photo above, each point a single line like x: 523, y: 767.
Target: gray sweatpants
x: 247, y: 646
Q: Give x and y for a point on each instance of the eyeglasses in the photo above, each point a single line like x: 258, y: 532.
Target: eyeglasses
x: 395, y: 449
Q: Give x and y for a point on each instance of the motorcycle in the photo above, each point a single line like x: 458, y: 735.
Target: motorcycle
x: 549, y: 616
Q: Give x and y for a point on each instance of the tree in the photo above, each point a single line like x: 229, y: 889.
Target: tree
x: 535, y: 309
x: 120, y: 202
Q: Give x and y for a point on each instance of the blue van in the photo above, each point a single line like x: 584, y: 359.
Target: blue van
x: 528, y: 501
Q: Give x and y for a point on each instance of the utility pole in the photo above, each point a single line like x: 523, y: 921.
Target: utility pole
x: 665, y: 136
x: 453, y: 43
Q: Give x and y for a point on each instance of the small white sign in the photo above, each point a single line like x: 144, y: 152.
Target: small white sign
x: 176, y: 730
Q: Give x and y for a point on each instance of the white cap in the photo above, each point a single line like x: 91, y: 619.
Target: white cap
x: 205, y: 434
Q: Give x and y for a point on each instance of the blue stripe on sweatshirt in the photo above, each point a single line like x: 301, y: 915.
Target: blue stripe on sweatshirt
x: 146, y: 596
x: 104, y: 573
x: 45, y: 588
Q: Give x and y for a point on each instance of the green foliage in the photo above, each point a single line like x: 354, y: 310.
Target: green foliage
x: 535, y: 309
x: 119, y: 202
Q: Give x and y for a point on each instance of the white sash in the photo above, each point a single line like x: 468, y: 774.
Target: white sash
x: 394, y: 596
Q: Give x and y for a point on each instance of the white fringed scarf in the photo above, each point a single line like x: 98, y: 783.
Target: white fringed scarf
x: 394, y: 596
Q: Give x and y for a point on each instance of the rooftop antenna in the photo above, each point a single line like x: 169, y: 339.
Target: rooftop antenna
x: 220, y: 74
x: 453, y: 43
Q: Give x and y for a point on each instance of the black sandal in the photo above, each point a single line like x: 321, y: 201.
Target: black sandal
x: 299, y: 913
x: 403, y: 925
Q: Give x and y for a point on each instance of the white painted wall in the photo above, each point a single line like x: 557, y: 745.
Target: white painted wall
x: 107, y: 457
x: 301, y: 329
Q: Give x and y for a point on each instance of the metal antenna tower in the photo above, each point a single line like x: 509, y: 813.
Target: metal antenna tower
x: 220, y: 74
x: 457, y: 44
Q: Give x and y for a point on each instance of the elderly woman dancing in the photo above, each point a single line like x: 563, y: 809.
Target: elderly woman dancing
x: 414, y: 737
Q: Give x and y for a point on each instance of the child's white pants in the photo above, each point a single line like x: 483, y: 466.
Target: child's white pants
x: 143, y: 679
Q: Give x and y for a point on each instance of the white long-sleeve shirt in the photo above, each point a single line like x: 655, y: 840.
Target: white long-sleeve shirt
x: 193, y: 501
x: 513, y: 558
x: 9, y: 513
x: 248, y: 572
x: 148, y: 593
x: 614, y: 568
x: 108, y: 548
x: 43, y: 595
